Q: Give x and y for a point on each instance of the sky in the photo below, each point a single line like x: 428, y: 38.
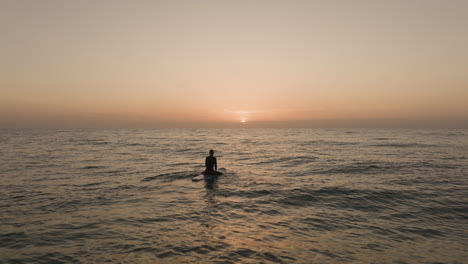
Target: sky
x: 186, y: 63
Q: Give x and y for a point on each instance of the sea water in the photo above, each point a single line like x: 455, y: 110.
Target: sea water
x: 290, y: 196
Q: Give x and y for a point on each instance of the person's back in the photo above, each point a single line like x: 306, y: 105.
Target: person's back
x: 211, y: 164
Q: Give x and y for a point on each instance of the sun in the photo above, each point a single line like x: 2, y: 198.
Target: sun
x: 243, y: 121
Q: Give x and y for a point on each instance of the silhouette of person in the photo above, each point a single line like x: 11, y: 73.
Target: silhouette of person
x: 211, y: 165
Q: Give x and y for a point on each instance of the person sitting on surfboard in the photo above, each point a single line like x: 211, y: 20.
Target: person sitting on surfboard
x: 211, y: 165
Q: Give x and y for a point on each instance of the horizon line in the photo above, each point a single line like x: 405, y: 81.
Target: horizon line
x: 330, y: 123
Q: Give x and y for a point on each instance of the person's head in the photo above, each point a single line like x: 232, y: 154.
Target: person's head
x: 211, y: 152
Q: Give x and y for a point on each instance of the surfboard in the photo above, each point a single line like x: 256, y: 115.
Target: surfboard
x: 209, y: 176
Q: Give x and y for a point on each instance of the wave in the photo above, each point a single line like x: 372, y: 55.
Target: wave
x: 135, y: 144
x: 405, y: 145
x: 93, y: 167
x: 328, y: 142
x: 377, y: 167
x: 291, y: 161
x: 92, y: 184
x: 172, y: 176
x: 354, y: 168
x: 91, y: 142
x: 339, y: 197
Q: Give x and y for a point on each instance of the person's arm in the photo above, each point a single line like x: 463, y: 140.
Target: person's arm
x: 206, y: 163
x: 216, y: 164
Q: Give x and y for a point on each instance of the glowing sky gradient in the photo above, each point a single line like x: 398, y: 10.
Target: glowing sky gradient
x: 146, y: 63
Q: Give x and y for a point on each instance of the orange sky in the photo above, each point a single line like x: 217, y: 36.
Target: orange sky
x: 144, y: 63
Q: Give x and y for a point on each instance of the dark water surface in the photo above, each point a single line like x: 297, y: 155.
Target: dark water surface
x: 290, y: 196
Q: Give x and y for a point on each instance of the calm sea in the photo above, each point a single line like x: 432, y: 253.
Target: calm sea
x: 290, y: 196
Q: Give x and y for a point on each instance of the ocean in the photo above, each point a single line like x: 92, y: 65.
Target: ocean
x: 289, y: 196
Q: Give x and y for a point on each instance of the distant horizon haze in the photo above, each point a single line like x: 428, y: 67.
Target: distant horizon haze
x: 122, y: 122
